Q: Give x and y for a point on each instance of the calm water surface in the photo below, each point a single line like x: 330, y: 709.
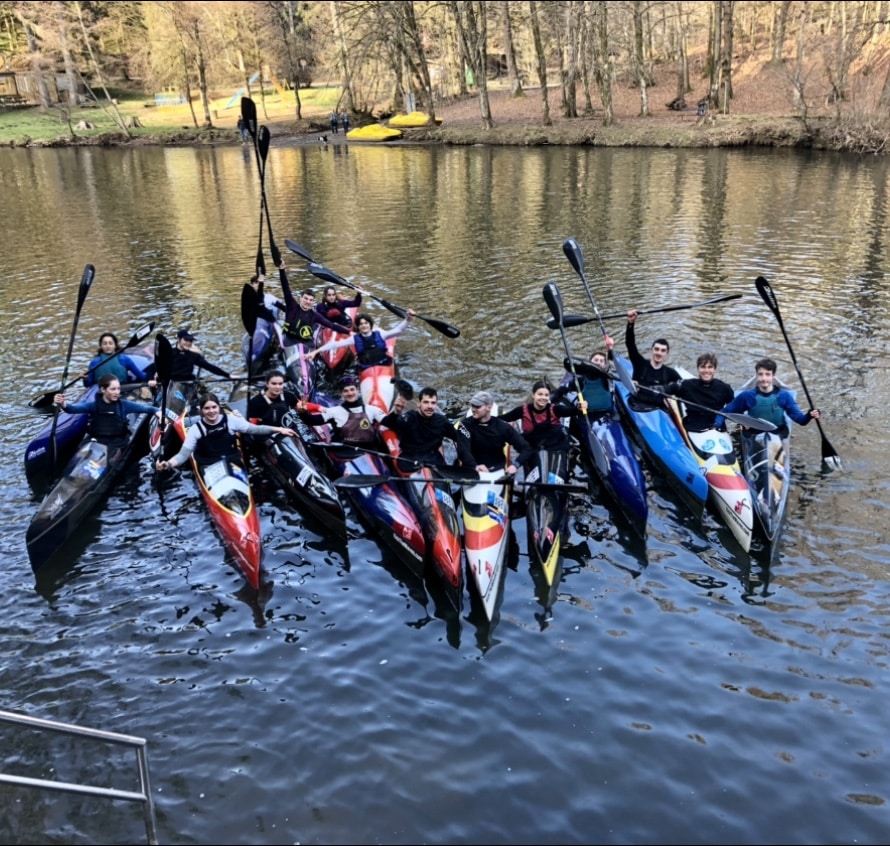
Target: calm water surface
x: 676, y: 691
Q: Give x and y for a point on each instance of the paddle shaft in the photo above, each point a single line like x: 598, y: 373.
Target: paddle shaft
x: 367, y: 481
x: 553, y: 298
x: 579, y: 319
x: 829, y: 453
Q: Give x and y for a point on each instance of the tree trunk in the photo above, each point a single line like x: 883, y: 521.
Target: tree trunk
x: 603, y: 67
x: 541, y: 62
x: 570, y: 74
x: 510, y: 52
x: 726, y: 55
x: 715, y: 55
x: 640, y: 57
x: 780, y: 21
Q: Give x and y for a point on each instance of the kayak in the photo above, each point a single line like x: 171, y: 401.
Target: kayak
x: 259, y: 350
x: 766, y: 466
x: 339, y: 358
x: 728, y: 490
x: 300, y: 372
x: 289, y: 465
x: 382, y: 507
x: 376, y: 382
x: 85, y: 482
x: 165, y: 442
x: 664, y: 446
x: 546, y: 511
x: 486, y: 517
x: 43, y: 463
x: 226, y: 491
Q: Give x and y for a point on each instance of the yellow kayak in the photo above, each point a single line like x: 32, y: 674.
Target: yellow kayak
x: 373, y: 132
x: 412, y: 120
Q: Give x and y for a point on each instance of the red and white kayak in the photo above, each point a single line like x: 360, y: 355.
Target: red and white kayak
x: 376, y: 383
x: 226, y: 491
x: 339, y: 358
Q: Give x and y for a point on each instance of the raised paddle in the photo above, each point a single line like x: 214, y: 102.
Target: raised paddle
x: 249, y: 307
x: 573, y: 253
x: 570, y: 320
x: 553, y: 298
x: 248, y: 115
x: 360, y: 481
x: 830, y: 457
x: 85, y: 282
x: 327, y: 275
x: 588, y: 368
x: 46, y: 400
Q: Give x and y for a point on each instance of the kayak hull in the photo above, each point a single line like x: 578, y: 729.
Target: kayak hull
x: 546, y: 511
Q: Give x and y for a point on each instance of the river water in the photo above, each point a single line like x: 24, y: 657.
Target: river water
x: 676, y: 691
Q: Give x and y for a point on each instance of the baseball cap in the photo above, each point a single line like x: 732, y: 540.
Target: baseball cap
x: 346, y: 381
x: 481, y: 398
x: 185, y: 335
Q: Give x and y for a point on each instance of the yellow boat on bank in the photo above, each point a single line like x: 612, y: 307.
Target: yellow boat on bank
x: 373, y: 132
x: 412, y: 120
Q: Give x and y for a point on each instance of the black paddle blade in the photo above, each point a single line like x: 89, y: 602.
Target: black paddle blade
x: 553, y: 298
x: 248, y: 114
x: 85, y: 282
x: 263, y: 142
x: 163, y: 359
x: 767, y: 295
x: 573, y: 253
x: 328, y: 275
x: 249, y: 306
x: 569, y: 320
x: 294, y: 247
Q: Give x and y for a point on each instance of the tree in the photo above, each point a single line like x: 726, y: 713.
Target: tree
x: 540, y: 62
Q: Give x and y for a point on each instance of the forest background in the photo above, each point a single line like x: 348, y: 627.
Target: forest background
x: 572, y: 71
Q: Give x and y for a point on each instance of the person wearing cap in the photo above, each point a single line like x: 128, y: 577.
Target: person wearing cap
x: 422, y: 431
x: 354, y: 422
x: 187, y: 362
x: 489, y: 438
x: 300, y: 316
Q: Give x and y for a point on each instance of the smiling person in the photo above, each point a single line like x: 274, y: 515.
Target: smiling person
x: 651, y: 372
x: 300, y: 316
x: 213, y: 436
x: 273, y: 402
x: 109, y: 361
x: 334, y: 306
x: 705, y: 390
x: 490, y: 436
x: 353, y: 421
x: 369, y: 343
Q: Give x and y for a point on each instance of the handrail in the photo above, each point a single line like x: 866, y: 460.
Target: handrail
x: 137, y: 743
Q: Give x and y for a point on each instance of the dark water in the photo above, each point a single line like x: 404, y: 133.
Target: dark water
x: 676, y: 691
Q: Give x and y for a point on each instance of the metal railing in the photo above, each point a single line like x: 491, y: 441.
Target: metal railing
x: 137, y: 743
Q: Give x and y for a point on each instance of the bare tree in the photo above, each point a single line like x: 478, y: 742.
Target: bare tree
x: 471, y: 19
x: 541, y: 62
x: 510, y: 51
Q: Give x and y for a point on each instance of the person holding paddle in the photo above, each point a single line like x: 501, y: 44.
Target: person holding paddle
x: 653, y: 372
x: 334, y: 306
x: 187, y: 362
x: 300, y: 316
x: 354, y: 422
x: 369, y: 343
x: 706, y: 390
x: 770, y: 402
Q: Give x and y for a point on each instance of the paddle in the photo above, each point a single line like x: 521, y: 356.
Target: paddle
x: 263, y: 143
x: 570, y: 320
x: 590, y: 369
x: 322, y: 272
x: 360, y: 481
x: 573, y: 253
x: 249, y: 308
x: 85, y: 282
x: 553, y: 298
x: 46, y: 400
x: 830, y: 457
x: 248, y: 115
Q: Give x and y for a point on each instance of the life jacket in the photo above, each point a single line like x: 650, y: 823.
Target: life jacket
x: 370, y: 351
x: 358, y: 429
x: 766, y: 406
x: 532, y: 420
x: 216, y: 441
x: 114, y: 367
x: 108, y: 422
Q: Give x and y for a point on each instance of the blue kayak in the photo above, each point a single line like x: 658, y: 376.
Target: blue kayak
x: 664, y: 446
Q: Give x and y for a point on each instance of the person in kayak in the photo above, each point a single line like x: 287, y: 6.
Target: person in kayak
x: 705, y: 390
x: 108, y: 412
x: 213, y: 436
x: 770, y: 402
x: 187, y: 362
x: 422, y: 431
x: 369, y: 343
x: 109, y: 360
x: 653, y: 372
x: 354, y: 422
x: 273, y: 402
x: 489, y: 437
x: 300, y: 316
x: 334, y: 306
x: 264, y: 302
x: 596, y: 391
x: 542, y: 425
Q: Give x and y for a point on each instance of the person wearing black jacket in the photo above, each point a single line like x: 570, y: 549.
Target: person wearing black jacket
x: 421, y: 432
x: 705, y: 390
x: 187, y: 362
x: 490, y: 436
x: 654, y: 372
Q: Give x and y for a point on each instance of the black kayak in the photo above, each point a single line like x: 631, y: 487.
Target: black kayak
x: 86, y: 480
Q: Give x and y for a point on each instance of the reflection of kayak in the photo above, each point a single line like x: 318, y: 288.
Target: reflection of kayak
x: 226, y: 491
x: 88, y: 477
x: 664, y: 446
x: 486, y: 516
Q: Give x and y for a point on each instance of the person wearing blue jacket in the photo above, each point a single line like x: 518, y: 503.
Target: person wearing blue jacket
x: 770, y: 402
x: 109, y: 361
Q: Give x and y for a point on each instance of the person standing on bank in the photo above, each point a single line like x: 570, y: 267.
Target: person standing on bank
x: 108, y: 412
x: 187, y: 362
x: 213, y: 436
x: 489, y: 437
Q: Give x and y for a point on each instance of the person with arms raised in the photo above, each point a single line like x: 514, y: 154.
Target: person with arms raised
x: 369, y: 343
